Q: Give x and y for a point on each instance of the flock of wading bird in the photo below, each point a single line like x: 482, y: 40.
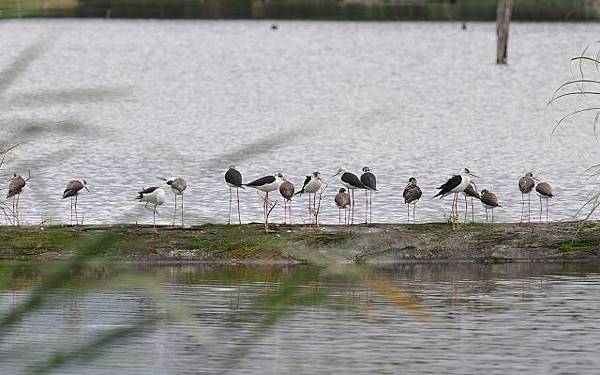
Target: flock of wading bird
x: 313, y: 186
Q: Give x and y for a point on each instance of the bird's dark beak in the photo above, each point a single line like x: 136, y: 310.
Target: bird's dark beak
x: 85, y: 187
x: 474, y: 175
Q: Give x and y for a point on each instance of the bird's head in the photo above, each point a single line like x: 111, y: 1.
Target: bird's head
x: 339, y: 172
x: 467, y: 172
x: 412, y: 181
x: 279, y: 176
x: 366, y: 169
x: 342, y: 190
x: 84, y: 182
x: 317, y: 175
x: 231, y: 167
x: 484, y: 191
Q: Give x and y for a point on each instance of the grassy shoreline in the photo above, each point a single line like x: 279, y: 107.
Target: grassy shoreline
x: 300, y: 244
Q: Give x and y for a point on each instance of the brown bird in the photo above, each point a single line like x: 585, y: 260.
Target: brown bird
x: 489, y: 201
x: 526, y: 184
x: 412, y: 193
x: 342, y: 200
x: 72, y: 190
x: 544, y: 191
x: 470, y: 191
x: 16, y: 185
x: 286, y: 189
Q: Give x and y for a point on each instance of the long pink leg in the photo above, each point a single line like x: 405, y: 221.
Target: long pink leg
x: 230, y: 197
x: 529, y: 207
x: 547, y: 210
x: 352, y: 215
x: 237, y: 192
x: 472, y: 211
x: 541, y: 208
x: 18, y: 220
x: 182, y: 210
x: 522, y: 206
x: 71, y: 199
x: 174, y: 209
x: 370, y: 195
x: 366, y: 206
x: 466, y: 207
x: 76, y: 217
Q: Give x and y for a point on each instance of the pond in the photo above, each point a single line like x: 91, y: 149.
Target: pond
x: 121, y: 102
x: 413, y: 319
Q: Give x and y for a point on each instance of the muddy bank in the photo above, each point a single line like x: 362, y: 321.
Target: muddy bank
x: 380, y: 243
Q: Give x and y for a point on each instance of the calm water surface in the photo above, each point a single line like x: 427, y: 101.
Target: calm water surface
x: 120, y: 102
x: 413, y: 319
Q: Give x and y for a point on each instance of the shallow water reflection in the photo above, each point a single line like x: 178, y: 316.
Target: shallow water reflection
x: 436, y: 318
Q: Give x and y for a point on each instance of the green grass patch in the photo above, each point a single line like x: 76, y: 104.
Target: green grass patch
x: 570, y: 247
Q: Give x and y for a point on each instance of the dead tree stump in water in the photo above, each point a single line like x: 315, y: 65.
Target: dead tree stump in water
x: 502, y: 22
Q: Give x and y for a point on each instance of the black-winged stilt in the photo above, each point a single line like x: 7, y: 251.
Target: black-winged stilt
x: 15, y: 187
x: 456, y: 184
x: 233, y: 178
x: 266, y: 184
x: 342, y: 201
x: 178, y: 185
x: 368, y: 179
x: 351, y: 182
x: 544, y: 191
x: 489, y: 201
x: 286, y: 189
x: 412, y: 193
x: 72, y: 190
x: 312, y: 184
x: 470, y: 192
x: 153, y: 195
x: 526, y: 184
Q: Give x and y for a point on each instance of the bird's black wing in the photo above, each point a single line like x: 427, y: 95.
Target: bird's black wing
x: 149, y: 190
x: 447, y: 187
x: 306, y: 181
x: 369, y: 180
x: 69, y: 193
x: 261, y: 181
x: 233, y: 177
x: 146, y: 191
x: 352, y: 180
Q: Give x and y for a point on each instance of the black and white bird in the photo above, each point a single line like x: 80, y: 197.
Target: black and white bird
x: 233, y: 179
x: 286, y: 189
x: 351, y: 182
x: 456, y: 184
x: 470, y: 192
x: 153, y: 195
x: 544, y: 191
x: 72, y: 190
x: 178, y: 185
x: 15, y: 187
x: 526, y: 185
x: 266, y: 184
x: 489, y: 201
x: 312, y: 185
x: 342, y: 201
x: 370, y: 181
x: 412, y: 193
